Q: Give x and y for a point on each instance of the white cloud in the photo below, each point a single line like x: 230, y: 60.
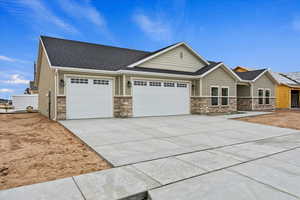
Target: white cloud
x: 9, y: 59
x: 6, y: 90
x: 16, y: 79
x: 38, y: 13
x: 5, y: 58
x: 86, y: 11
x: 155, y: 28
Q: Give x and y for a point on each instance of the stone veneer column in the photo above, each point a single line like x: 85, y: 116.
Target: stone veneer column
x: 202, y: 105
x: 122, y: 106
x: 61, y: 108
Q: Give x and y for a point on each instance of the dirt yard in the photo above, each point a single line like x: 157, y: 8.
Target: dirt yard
x: 284, y: 119
x: 34, y: 149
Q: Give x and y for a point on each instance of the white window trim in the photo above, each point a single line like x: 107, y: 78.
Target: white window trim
x: 218, y: 96
x: 263, y: 96
x: 225, y: 96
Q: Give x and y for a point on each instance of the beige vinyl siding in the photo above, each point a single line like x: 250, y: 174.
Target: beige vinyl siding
x: 264, y: 82
x: 171, y: 60
x: 46, y: 84
x: 243, y: 91
x: 218, y: 77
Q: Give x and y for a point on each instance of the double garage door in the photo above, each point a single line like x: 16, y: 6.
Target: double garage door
x: 93, y: 98
x: 159, y: 98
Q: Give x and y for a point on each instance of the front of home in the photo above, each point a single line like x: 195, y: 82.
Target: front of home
x: 79, y: 80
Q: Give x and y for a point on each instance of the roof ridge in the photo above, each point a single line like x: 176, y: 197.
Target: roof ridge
x: 90, y: 43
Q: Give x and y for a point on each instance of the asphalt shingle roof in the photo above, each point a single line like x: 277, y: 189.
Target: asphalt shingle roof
x: 250, y: 75
x: 76, y: 54
x: 294, y: 75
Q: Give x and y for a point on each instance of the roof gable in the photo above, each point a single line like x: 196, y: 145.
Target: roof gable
x: 250, y: 75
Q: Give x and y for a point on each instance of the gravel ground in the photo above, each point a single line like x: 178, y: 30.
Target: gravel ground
x: 34, y: 149
x: 284, y: 119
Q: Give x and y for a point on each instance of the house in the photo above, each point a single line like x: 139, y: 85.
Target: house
x: 256, y: 91
x: 288, y: 91
x: 79, y: 80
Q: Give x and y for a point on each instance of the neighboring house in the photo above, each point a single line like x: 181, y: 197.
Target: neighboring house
x: 288, y: 91
x: 256, y: 91
x: 82, y: 80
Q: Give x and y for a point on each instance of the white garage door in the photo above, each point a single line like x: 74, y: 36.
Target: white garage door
x: 89, y: 98
x: 158, y: 98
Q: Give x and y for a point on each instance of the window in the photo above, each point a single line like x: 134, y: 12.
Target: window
x: 79, y: 80
x: 214, y: 96
x: 101, y: 82
x: 169, y: 84
x: 183, y: 85
x: 181, y: 55
x: 267, y: 96
x: 140, y: 83
x: 155, y: 83
x: 260, y: 96
x: 225, y: 96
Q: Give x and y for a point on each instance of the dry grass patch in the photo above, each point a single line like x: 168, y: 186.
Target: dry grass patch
x: 34, y: 149
x: 284, y: 119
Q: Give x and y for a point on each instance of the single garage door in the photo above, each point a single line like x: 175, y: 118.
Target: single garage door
x: 158, y: 98
x: 89, y: 98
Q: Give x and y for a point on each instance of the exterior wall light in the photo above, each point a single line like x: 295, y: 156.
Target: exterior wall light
x: 129, y: 84
x: 62, y: 83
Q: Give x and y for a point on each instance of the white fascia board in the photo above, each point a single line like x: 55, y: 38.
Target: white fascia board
x: 156, y: 74
x: 165, y: 50
x: 192, y: 50
x: 219, y: 65
x: 41, y: 41
x: 73, y: 69
x: 266, y: 71
x: 119, y: 72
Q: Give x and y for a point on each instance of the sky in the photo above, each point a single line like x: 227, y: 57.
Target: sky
x: 251, y: 33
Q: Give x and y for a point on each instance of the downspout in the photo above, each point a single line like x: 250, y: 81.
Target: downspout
x: 55, y: 94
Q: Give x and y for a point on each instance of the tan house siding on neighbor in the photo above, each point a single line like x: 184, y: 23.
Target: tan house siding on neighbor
x: 46, y: 84
x: 263, y: 82
x: 172, y: 60
x: 221, y: 78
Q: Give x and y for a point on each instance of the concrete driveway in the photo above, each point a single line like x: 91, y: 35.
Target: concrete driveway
x: 134, y: 140
x: 196, y: 157
x: 180, y: 158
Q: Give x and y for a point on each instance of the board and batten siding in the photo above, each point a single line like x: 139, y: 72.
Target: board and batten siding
x: 264, y: 82
x: 172, y: 60
x: 218, y: 77
x: 46, y: 84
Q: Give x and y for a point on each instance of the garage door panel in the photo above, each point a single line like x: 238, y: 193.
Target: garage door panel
x: 158, y: 101
x: 89, y: 99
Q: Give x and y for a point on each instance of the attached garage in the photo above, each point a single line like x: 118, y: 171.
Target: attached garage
x: 89, y: 98
x: 160, y: 98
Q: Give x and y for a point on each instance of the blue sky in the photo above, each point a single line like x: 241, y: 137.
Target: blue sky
x: 249, y: 33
